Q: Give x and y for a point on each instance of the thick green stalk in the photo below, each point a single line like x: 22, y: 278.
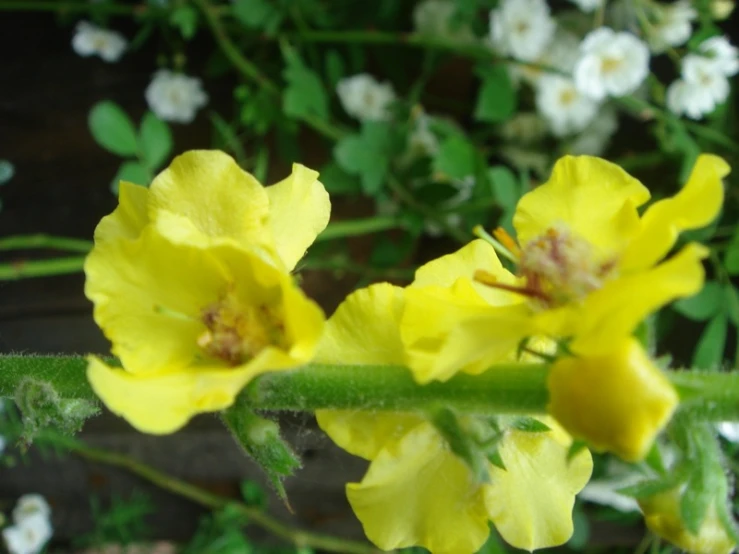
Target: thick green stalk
x: 505, y: 388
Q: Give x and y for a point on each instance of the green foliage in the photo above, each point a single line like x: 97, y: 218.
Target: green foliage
x: 43, y: 407
x: 496, y: 100
x: 185, y: 19
x: 260, y: 439
x: 703, y: 305
x: 368, y: 154
x: 709, y: 352
x: 130, y: 171
x: 122, y: 522
x: 113, y: 129
x: 457, y: 158
x: 305, y: 95
x: 155, y: 139
x: 258, y: 14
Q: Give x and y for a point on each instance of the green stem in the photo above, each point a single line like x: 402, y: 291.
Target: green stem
x: 41, y: 268
x: 407, y: 198
x: 22, y: 242
x: 713, y: 396
x: 213, y: 501
x: 354, y: 227
x: 505, y: 388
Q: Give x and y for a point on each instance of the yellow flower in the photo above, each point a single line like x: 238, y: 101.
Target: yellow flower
x: 587, y: 269
x: 662, y: 516
x: 190, y: 283
x: 416, y: 491
x: 618, y: 401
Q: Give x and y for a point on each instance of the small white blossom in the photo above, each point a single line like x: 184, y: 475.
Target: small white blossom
x: 729, y: 430
x: 594, y: 140
x: 521, y: 28
x: 421, y: 140
x: 588, y: 5
x: 524, y: 128
x: 31, y: 505
x: 561, y: 53
x: 702, y: 87
x: 175, y: 97
x: 611, y: 63
x: 673, y: 27
x: 28, y: 536
x: 565, y: 108
x: 364, y: 98
x: 722, y: 53
x: 434, y: 18
x: 90, y: 39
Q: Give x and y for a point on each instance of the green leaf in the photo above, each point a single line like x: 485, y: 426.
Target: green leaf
x: 506, y: 188
x: 710, y: 349
x: 460, y: 442
x: 113, y: 129
x: 253, y: 494
x: 496, y: 100
x: 133, y: 172
x: 456, y: 158
x: 368, y: 154
x: 703, y: 305
x: 645, y: 489
x: 6, y: 171
x: 530, y: 425
x: 304, y: 95
x: 156, y: 141
x: 185, y: 18
x: 731, y: 258
x: 732, y: 303
x: 338, y: 181
x: 258, y: 14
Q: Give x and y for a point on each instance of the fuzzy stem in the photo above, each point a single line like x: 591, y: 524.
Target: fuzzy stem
x: 41, y: 268
x: 23, y: 242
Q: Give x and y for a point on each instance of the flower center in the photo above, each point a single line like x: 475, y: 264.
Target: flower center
x: 609, y: 64
x: 561, y: 267
x: 567, y: 96
x: 237, y: 333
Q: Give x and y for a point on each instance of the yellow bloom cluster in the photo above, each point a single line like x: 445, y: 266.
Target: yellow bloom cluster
x: 190, y: 281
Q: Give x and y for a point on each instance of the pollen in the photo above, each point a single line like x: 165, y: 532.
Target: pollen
x: 235, y: 332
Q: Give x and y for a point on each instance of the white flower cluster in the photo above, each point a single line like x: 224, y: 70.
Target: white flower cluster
x: 435, y: 18
x: 175, y: 97
x: 90, y: 40
x: 364, y: 98
x: 704, y: 80
x: 31, y: 528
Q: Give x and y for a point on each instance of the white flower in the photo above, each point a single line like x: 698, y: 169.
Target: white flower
x: 435, y: 19
x: 524, y: 127
x: 364, y: 98
x: 561, y: 53
x: 611, y: 63
x: 729, y: 430
x: 722, y: 53
x: 703, y: 86
x: 673, y: 27
x: 521, y: 28
x: 30, y: 505
x: 594, y: 140
x: 174, y: 96
x: 565, y: 108
x: 588, y: 5
x: 28, y: 536
x: 90, y: 39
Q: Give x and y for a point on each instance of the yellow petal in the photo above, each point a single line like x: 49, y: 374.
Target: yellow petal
x: 531, y: 501
x: 149, y: 295
x: 618, y: 401
x: 130, y: 216
x: 299, y: 209
x: 463, y: 264
x: 364, y: 329
x: 447, y: 330
x: 662, y: 516
x: 208, y: 188
x: 594, y: 198
x: 695, y: 206
x: 364, y: 434
x: 416, y: 492
x: 163, y: 402
x: 617, y: 308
